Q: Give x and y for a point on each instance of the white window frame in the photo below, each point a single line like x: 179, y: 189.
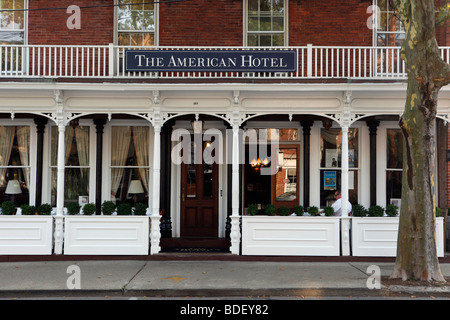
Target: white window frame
x: 106, y: 173
x: 32, y: 153
x: 375, y: 29
x: 116, y: 24
x: 286, y: 24
x: 25, y: 24
x: 47, y: 170
x: 316, y: 167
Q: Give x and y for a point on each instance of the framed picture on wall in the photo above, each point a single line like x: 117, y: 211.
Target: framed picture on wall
x: 396, y: 202
x: 329, y: 180
x: 331, y: 156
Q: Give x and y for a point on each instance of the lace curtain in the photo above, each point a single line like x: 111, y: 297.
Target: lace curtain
x: 120, y: 144
x: 141, y: 140
x: 6, y: 144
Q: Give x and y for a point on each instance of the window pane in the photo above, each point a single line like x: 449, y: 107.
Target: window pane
x: 265, y: 40
x: 394, y: 149
x: 121, y: 181
x: 286, y: 176
x: 278, y: 24
x: 207, y: 181
x: 76, y: 146
x: 393, y: 185
x: 18, y: 189
x: 253, y: 40
x: 331, y: 148
x: 253, y: 24
x: 136, y: 16
x: 76, y: 184
x: 191, y: 191
x: 252, y: 5
x: 328, y: 186
x: 265, y: 16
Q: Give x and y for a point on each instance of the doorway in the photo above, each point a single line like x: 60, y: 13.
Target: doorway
x: 199, y: 200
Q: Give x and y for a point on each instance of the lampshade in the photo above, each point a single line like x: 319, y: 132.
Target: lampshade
x: 135, y: 187
x: 13, y: 187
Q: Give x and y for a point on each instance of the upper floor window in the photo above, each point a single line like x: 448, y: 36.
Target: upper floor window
x: 135, y: 23
x: 389, y: 31
x: 12, y: 21
x: 266, y: 23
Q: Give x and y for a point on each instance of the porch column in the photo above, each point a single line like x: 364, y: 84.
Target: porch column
x: 345, y: 220
x: 59, y: 218
x: 155, y: 218
x: 306, y: 160
x: 235, y: 234
x: 373, y: 160
x: 99, y: 125
x: 40, y: 126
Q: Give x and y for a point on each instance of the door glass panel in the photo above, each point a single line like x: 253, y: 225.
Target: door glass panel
x: 286, y: 177
x: 191, y: 188
x: 207, y: 180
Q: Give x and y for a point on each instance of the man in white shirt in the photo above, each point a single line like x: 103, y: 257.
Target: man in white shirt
x: 337, y: 205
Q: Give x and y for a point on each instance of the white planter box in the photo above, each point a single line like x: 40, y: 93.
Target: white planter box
x: 377, y: 236
x: 290, y: 236
x: 106, y: 235
x: 26, y: 235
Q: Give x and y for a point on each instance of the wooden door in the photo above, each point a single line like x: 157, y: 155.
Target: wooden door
x: 199, y: 200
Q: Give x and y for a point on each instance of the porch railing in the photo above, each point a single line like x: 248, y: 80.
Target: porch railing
x: 314, y: 62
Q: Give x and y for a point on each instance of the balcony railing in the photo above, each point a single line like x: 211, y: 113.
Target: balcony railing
x: 314, y: 62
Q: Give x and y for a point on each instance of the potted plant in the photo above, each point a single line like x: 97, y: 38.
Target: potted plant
x: 89, y: 209
x: 73, y: 208
x: 270, y: 209
x: 329, y: 211
x: 124, y: 209
x: 140, y: 209
x: 438, y: 212
x: 45, y: 209
x: 299, y: 210
x: 252, y: 209
x: 28, y: 210
x: 284, y: 211
x: 8, y: 208
x: 376, y: 211
x: 108, y: 208
x: 313, y: 210
x: 359, y: 211
x: 391, y: 210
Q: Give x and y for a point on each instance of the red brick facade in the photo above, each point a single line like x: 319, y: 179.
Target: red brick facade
x: 204, y: 23
x: 50, y: 26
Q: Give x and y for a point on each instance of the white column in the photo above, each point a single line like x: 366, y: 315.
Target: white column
x: 59, y: 219
x: 345, y: 220
x: 155, y: 233
x: 235, y: 233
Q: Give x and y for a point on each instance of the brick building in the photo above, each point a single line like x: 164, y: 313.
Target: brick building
x: 96, y: 98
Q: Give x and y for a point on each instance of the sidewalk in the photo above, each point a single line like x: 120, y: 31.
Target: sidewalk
x: 195, y: 278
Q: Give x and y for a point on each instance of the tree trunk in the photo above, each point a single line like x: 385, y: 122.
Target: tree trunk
x: 427, y: 73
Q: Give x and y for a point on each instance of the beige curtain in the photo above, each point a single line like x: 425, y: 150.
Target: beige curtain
x: 67, y: 148
x: 23, y: 140
x: 141, y: 140
x: 120, y: 144
x: 82, y: 138
x: 6, y: 143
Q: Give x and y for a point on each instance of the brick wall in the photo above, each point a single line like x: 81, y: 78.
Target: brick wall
x: 333, y: 22
x: 201, y: 23
x: 209, y: 23
x: 50, y: 26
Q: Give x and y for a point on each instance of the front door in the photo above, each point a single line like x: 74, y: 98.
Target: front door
x: 199, y: 200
